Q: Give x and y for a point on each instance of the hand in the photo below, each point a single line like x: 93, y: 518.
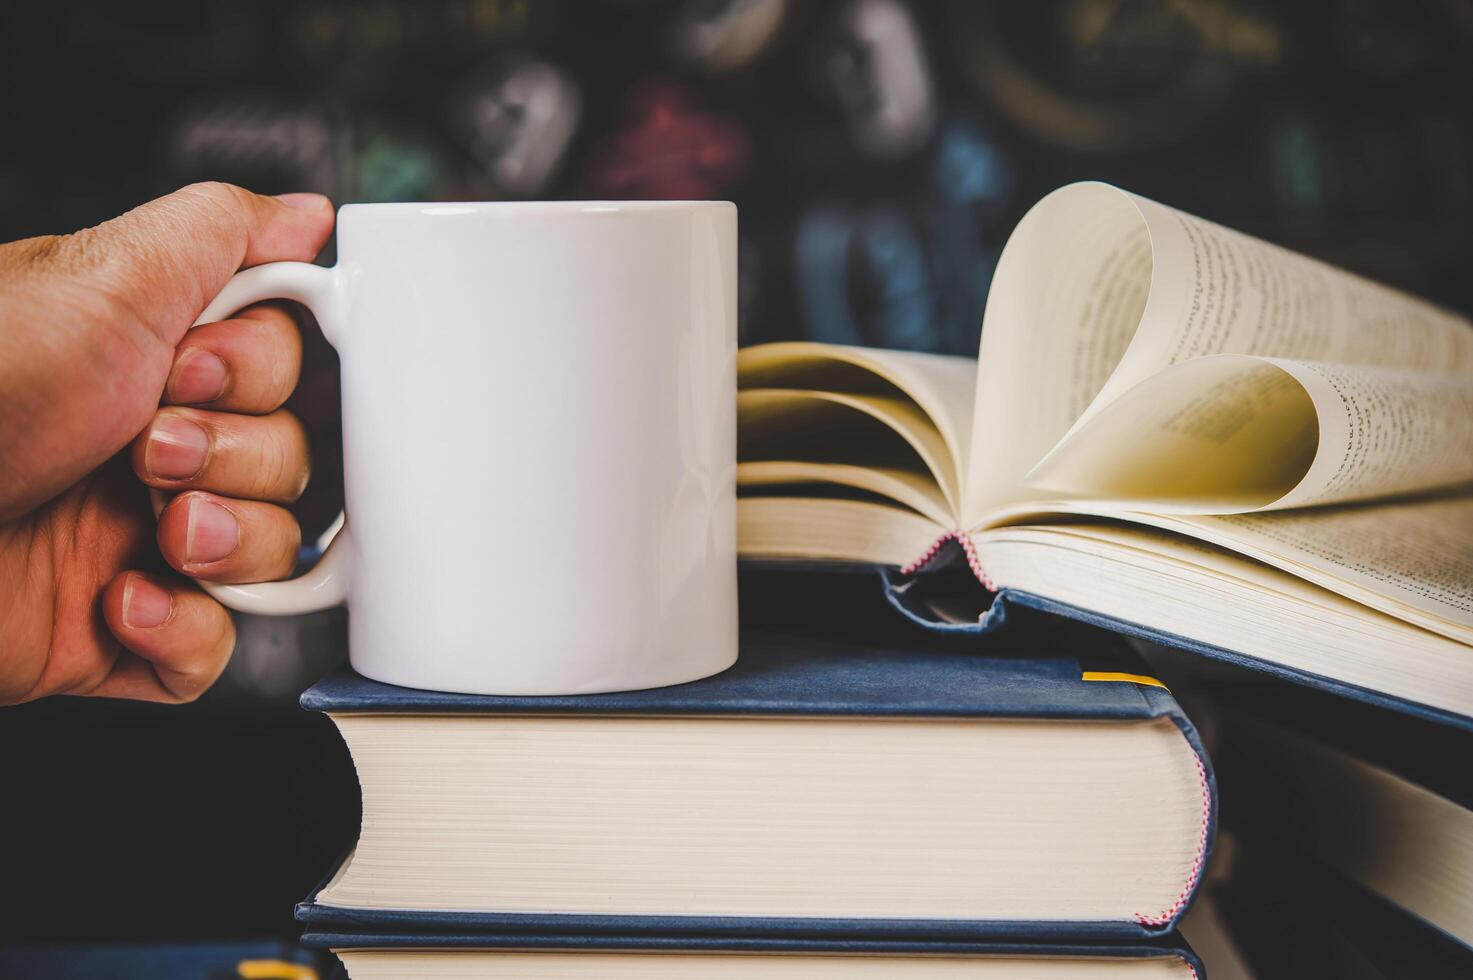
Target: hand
x: 94, y: 334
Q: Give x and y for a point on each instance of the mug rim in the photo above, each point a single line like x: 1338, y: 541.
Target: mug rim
x: 581, y: 207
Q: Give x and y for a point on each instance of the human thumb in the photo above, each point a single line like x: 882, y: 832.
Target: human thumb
x: 168, y: 258
x: 91, y: 321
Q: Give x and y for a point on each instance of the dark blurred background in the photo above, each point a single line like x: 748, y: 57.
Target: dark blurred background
x: 880, y: 151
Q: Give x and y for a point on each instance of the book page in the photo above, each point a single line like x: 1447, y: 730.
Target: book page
x: 1184, y: 585
x: 942, y: 386
x: 832, y: 529
x: 917, y: 491
x: 695, y: 964
x: 1383, y: 431
x: 792, y: 425
x: 1411, y: 559
x: 1070, y: 289
x: 1204, y: 290
x: 1218, y: 291
x: 1232, y: 433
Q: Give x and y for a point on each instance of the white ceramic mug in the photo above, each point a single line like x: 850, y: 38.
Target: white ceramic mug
x: 539, y: 440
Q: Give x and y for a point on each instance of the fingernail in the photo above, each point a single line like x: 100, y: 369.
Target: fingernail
x: 145, y: 605
x: 198, y: 377
x: 176, y: 448
x: 212, y: 532
x: 304, y: 202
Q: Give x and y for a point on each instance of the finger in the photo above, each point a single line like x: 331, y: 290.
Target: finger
x: 179, y: 639
x: 165, y: 260
x: 99, y: 314
x: 246, y: 364
x: 258, y: 457
x: 223, y: 540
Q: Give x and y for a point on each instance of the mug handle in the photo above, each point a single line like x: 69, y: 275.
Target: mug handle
x: 325, y: 584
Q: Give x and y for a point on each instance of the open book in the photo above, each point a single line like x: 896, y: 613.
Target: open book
x: 1169, y: 423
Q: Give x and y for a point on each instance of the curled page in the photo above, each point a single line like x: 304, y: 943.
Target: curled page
x: 843, y: 428
x: 942, y: 386
x: 1383, y: 431
x: 1099, y: 290
x: 1234, y: 433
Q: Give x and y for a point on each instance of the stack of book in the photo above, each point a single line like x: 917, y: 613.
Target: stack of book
x: 854, y: 801
x: 1174, y: 433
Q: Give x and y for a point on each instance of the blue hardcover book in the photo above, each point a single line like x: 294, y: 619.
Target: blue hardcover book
x: 1169, y: 429
x: 688, y: 958
x: 1292, y: 918
x: 369, y: 956
x: 821, y: 787
x: 934, y: 603
x: 1377, y: 801
x: 526, y: 957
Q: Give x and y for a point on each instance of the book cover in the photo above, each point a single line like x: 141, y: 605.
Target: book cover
x: 914, y: 597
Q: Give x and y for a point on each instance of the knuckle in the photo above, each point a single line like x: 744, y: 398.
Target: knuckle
x: 20, y: 681
x: 194, y: 672
x: 99, y: 261
x: 214, y: 213
x: 80, y: 678
x: 219, y: 205
x: 288, y: 544
x: 211, y: 666
x: 264, y: 351
x: 35, y: 253
x: 126, y: 258
x: 272, y: 476
x: 85, y: 250
x: 217, y: 192
x: 269, y: 333
x: 284, y: 469
x: 284, y: 365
